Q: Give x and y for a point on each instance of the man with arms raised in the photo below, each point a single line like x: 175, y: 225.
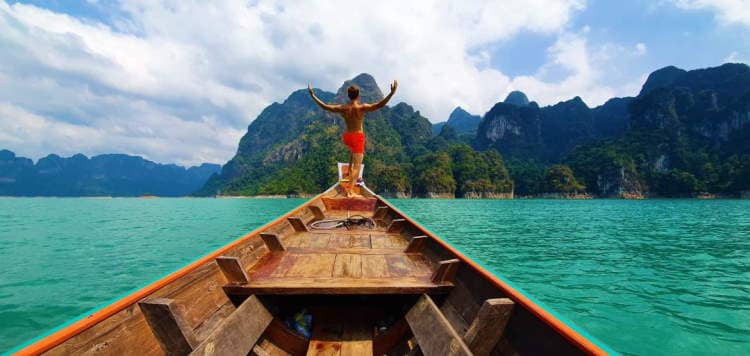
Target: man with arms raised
x: 354, y: 137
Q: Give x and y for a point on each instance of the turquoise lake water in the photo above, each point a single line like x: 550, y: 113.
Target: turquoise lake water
x: 645, y: 277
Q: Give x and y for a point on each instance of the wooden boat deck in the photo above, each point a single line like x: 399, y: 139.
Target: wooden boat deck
x: 361, y: 261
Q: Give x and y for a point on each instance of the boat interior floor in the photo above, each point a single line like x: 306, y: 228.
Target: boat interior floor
x: 360, y: 260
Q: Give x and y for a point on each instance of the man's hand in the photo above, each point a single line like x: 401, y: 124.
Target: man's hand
x: 394, y: 86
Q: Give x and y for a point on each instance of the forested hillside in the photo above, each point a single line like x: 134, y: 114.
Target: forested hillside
x: 686, y: 133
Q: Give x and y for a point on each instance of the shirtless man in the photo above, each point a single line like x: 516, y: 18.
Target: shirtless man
x: 354, y: 137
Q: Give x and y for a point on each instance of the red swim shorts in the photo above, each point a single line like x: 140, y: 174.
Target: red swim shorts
x: 355, y: 141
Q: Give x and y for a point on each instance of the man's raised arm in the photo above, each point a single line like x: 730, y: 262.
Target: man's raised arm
x: 380, y: 104
x: 332, y: 108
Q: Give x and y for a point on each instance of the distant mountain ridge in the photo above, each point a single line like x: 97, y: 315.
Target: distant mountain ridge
x: 686, y: 133
x: 102, y: 175
x: 461, y: 121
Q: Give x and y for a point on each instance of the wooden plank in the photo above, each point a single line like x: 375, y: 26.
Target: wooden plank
x: 297, y: 224
x: 488, y: 327
x: 454, y: 317
x: 446, y: 271
x: 348, y: 265
x: 337, y: 286
x: 395, y: 242
x: 272, y: 242
x: 374, y: 266
x: 353, y: 250
x: 380, y: 213
x: 338, y: 241
x: 232, y: 269
x: 239, y: 332
x: 356, y: 204
x: 317, y: 212
x: 402, y: 266
x: 396, y: 225
x: 259, y: 351
x: 432, y: 330
x: 312, y: 265
x: 360, y: 241
x: 357, y: 340
x: 326, y: 340
x: 315, y: 240
x: 378, y: 241
x: 168, y: 325
x: 416, y: 244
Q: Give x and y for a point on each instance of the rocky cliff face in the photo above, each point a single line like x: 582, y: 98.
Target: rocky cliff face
x: 675, y: 138
x: 292, y: 147
x: 516, y: 98
x: 688, y: 133
x: 103, y: 175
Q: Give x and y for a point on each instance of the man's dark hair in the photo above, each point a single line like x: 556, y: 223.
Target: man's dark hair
x: 353, y: 92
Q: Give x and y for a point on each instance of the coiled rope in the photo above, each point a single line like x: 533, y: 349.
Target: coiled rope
x: 348, y: 223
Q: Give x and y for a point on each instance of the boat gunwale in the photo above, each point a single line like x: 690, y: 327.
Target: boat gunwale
x: 84, y: 323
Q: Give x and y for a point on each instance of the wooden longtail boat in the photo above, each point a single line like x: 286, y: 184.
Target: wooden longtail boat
x: 315, y: 282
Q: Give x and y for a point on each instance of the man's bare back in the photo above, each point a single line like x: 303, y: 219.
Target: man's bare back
x: 354, y: 111
x: 354, y: 116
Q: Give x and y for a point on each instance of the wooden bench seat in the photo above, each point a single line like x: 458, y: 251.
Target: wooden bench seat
x: 332, y: 272
x: 347, y: 286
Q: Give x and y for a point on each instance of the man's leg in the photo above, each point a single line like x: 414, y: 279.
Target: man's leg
x: 349, y: 183
x: 355, y: 168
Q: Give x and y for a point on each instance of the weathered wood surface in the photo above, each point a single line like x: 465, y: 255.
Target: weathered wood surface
x: 331, y: 272
x: 416, y: 244
x: 446, y: 271
x: 489, y: 325
x: 232, y: 269
x: 272, y: 241
x: 344, y: 333
x: 317, y: 212
x: 380, y: 213
x: 169, y: 326
x: 396, y: 225
x: 432, y: 330
x: 298, y: 224
x: 353, y: 204
x: 239, y: 332
x: 329, y: 286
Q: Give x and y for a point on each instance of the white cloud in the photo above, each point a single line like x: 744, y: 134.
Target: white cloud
x: 640, y: 49
x: 735, y: 57
x: 585, y: 69
x: 180, y: 81
x: 727, y: 11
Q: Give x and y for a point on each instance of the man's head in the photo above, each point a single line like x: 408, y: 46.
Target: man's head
x: 353, y: 92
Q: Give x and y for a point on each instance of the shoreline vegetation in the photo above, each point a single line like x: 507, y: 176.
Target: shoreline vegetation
x: 745, y: 195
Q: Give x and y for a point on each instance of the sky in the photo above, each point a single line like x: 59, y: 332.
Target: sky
x: 179, y: 81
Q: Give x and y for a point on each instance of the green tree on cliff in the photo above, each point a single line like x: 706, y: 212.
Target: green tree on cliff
x: 559, y: 179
